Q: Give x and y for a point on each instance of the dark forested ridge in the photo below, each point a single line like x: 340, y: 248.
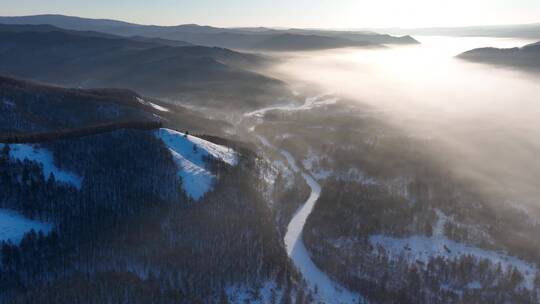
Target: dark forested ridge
x: 526, y: 57
x: 129, y: 233
x: 15, y: 138
x: 33, y: 108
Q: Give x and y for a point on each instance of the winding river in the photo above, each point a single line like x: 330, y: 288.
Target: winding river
x: 324, y: 288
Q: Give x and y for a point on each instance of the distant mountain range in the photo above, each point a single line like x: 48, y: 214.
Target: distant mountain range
x: 153, y: 66
x: 528, y: 31
x: 236, y: 38
x: 527, y: 57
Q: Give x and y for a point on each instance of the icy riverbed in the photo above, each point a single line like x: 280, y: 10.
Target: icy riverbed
x: 328, y: 291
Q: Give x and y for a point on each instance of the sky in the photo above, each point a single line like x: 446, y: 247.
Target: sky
x: 286, y: 13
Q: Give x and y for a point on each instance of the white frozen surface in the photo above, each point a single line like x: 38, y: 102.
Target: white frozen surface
x: 159, y: 108
x: 328, y: 290
x: 197, y: 180
x: 290, y: 160
x: 45, y: 158
x: 309, y: 103
x: 153, y: 105
x: 264, y: 141
x: 13, y: 226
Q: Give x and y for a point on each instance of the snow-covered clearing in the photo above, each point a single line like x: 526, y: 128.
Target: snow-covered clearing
x: 422, y: 248
x: 45, y: 158
x: 189, y: 153
x: 13, y: 226
x: 153, y: 105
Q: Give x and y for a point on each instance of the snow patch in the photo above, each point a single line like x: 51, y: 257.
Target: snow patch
x: 9, y: 104
x: 153, y: 105
x: 422, y: 248
x: 285, y: 136
x: 188, y: 153
x: 13, y: 226
x: 242, y: 294
x: 45, y: 158
x: 264, y: 141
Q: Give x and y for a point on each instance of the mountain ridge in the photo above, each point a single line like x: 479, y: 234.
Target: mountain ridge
x: 74, y: 59
x: 235, y: 38
x: 525, y: 58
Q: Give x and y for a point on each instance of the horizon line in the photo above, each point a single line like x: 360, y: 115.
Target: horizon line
x: 280, y: 27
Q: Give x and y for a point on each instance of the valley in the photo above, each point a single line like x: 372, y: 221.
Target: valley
x: 198, y: 164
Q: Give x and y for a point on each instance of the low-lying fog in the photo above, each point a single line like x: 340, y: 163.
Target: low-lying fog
x: 484, y: 119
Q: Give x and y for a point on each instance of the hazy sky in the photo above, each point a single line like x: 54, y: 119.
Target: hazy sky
x: 287, y: 13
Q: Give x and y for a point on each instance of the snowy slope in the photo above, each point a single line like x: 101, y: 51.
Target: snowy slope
x: 13, y: 226
x: 422, y: 248
x: 45, y: 158
x: 197, y: 180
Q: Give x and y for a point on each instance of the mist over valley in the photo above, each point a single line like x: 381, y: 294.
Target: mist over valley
x: 247, y: 163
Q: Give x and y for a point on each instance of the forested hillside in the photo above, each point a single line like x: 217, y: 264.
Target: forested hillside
x: 395, y: 224
x: 526, y: 57
x: 124, y: 228
x: 202, y: 76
